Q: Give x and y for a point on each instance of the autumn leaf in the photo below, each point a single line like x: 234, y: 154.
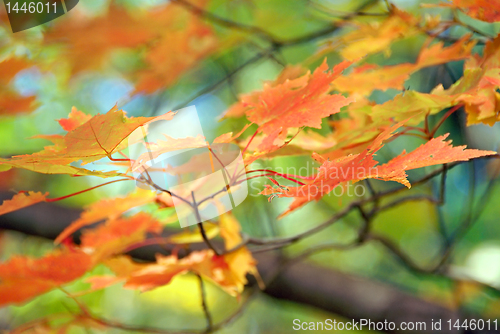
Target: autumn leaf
x: 74, y: 120
x: 102, y: 35
x: 10, y: 67
x: 374, y: 36
x: 146, y: 277
x: 55, y: 168
x: 362, y: 166
x: 290, y: 72
x: 177, y: 53
x: 240, y: 261
x: 484, y: 10
x: 228, y: 271
x: 204, y: 263
x: 477, y: 89
x: 22, y: 278
x: 295, y: 103
x: 99, y: 137
x: 365, y: 79
x: 22, y: 200
x: 107, y: 209
x: 114, y: 236
x: 169, y: 39
x: 13, y: 104
x: 436, y: 151
x: 154, y: 150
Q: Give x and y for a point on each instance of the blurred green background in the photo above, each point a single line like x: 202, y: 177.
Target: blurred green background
x: 413, y: 225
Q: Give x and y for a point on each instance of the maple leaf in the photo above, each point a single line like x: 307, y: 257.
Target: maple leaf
x: 484, y: 10
x: 374, y: 36
x: 117, y: 234
x: 178, y: 52
x: 22, y: 200
x: 145, y: 277
x: 290, y: 72
x: 22, y: 278
x: 204, y: 263
x: 367, y: 120
x: 103, y: 34
x: 164, y: 146
x: 54, y: 167
x: 74, y: 120
x: 228, y: 271
x: 171, y: 40
x: 107, y: 209
x: 435, y: 151
x: 99, y: 137
x: 10, y: 67
x: 364, y: 79
x: 12, y: 104
x: 477, y: 89
x: 295, y: 103
x: 240, y: 261
x: 362, y: 166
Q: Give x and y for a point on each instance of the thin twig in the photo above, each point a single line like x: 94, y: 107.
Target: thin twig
x: 204, y: 304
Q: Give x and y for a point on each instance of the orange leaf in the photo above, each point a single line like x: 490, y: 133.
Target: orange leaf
x: 168, y: 145
x: 374, y: 36
x: 22, y: 278
x: 102, y: 134
x: 477, y: 89
x: 435, y: 152
x: 74, y: 120
x: 240, y: 261
x: 172, y: 39
x: 10, y: 67
x: 103, y: 34
x: 108, y: 209
x: 13, y: 104
x: 363, y: 80
x: 205, y: 263
x: 295, y: 103
x: 224, y: 271
x: 484, y: 10
x: 22, y: 200
x: 116, y: 235
x: 362, y: 166
x: 179, y: 51
x: 99, y: 137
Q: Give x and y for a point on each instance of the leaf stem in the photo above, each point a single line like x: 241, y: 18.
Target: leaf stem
x: 441, y: 121
x: 83, y: 191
